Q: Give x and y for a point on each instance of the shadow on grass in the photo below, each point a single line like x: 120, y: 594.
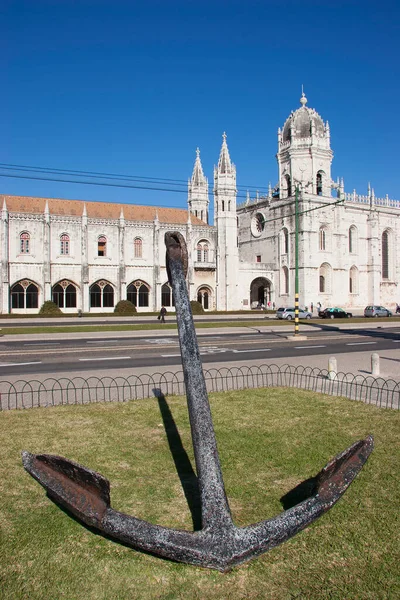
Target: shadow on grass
x: 182, y: 462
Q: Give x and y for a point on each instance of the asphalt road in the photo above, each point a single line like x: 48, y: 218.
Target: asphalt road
x: 65, y: 355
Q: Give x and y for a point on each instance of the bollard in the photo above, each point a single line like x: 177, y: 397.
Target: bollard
x: 375, y: 364
x: 332, y: 368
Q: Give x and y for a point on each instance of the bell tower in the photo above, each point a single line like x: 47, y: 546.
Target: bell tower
x: 304, y: 153
x: 226, y: 222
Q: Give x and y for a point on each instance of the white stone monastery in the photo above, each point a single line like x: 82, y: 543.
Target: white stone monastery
x: 89, y: 255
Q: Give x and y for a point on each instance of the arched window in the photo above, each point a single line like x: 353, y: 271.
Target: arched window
x: 138, y: 293
x: 64, y: 295
x: 325, y: 277
x: 322, y: 238
x: 285, y: 280
x: 352, y: 239
x: 319, y: 183
x: 288, y: 185
x: 285, y: 241
x: 24, y: 241
x: 24, y: 294
x: 138, y: 247
x: 353, y: 280
x: 101, y: 295
x: 385, y: 255
x: 64, y: 244
x: 203, y: 251
x: 102, y: 246
x: 167, y: 297
x: 204, y: 297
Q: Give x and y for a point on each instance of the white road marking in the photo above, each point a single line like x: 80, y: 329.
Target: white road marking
x: 360, y: 343
x: 301, y: 347
x: 396, y: 341
x: 103, y: 341
x: 163, y: 341
x: 204, y: 350
x: 43, y: 344
x: 106, y: 358
x: 37, y: 362
x: 256, y: 350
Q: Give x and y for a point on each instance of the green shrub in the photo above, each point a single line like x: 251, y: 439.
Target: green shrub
x: 197, y: 308
x: 50, y: 308
x: 125, y: 307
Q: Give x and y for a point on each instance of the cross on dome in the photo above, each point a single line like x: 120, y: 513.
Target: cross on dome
x: 303, y: 99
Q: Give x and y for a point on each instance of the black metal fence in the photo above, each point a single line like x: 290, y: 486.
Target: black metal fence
x: 384, y: 393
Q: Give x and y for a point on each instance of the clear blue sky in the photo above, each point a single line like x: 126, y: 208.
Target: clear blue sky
x: 133, y: 87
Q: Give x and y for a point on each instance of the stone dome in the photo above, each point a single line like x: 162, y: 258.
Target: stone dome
x: 300, y: 122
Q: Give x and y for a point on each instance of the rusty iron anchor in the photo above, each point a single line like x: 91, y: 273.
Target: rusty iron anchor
x: 219, y: 544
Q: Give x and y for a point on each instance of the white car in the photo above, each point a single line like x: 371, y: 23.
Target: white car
x: 288, y: 313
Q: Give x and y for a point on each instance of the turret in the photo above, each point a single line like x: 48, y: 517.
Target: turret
x: 224, y: 182
x: 198, y: 199
x: 304, y: 153
x: 226, y: 222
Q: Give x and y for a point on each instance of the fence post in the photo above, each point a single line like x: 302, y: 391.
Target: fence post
x: 332, y: 367
x: 375, y: 364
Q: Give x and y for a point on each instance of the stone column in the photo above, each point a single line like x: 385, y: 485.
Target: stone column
x: 121, y: 259
x: 46, y: 254
x: 4, y: 273
x: 84, y: 301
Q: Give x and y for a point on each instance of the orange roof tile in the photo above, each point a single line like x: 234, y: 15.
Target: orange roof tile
x: 99, y: 210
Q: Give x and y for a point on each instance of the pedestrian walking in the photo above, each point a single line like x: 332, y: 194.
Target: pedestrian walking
x: 162, y: 314
x: 312, y: 307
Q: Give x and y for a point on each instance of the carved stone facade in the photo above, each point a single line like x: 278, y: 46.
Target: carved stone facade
x: 88, y: 256
x: 348, y: 245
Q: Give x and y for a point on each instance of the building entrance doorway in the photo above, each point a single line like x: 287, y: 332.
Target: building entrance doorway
x: 260, y: 292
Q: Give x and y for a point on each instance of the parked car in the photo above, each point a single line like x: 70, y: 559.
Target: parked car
x: 288, y: 313
x: 334, y: 313
x: 376, y: 311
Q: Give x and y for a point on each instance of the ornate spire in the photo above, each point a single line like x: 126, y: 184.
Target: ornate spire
x: 198, y: 191
x: 224, y: 163
x: 198, y: 177
x: 4, y: 212
x: 303, y: 99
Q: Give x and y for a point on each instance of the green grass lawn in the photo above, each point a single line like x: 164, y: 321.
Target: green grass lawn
x: 269, y: 441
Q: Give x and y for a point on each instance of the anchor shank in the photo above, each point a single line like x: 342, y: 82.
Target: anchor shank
x: 215, y: 507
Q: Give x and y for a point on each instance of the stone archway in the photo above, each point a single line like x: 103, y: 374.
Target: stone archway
x: 260, y: 291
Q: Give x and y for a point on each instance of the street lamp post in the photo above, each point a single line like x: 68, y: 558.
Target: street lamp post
x: 296, y: 263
